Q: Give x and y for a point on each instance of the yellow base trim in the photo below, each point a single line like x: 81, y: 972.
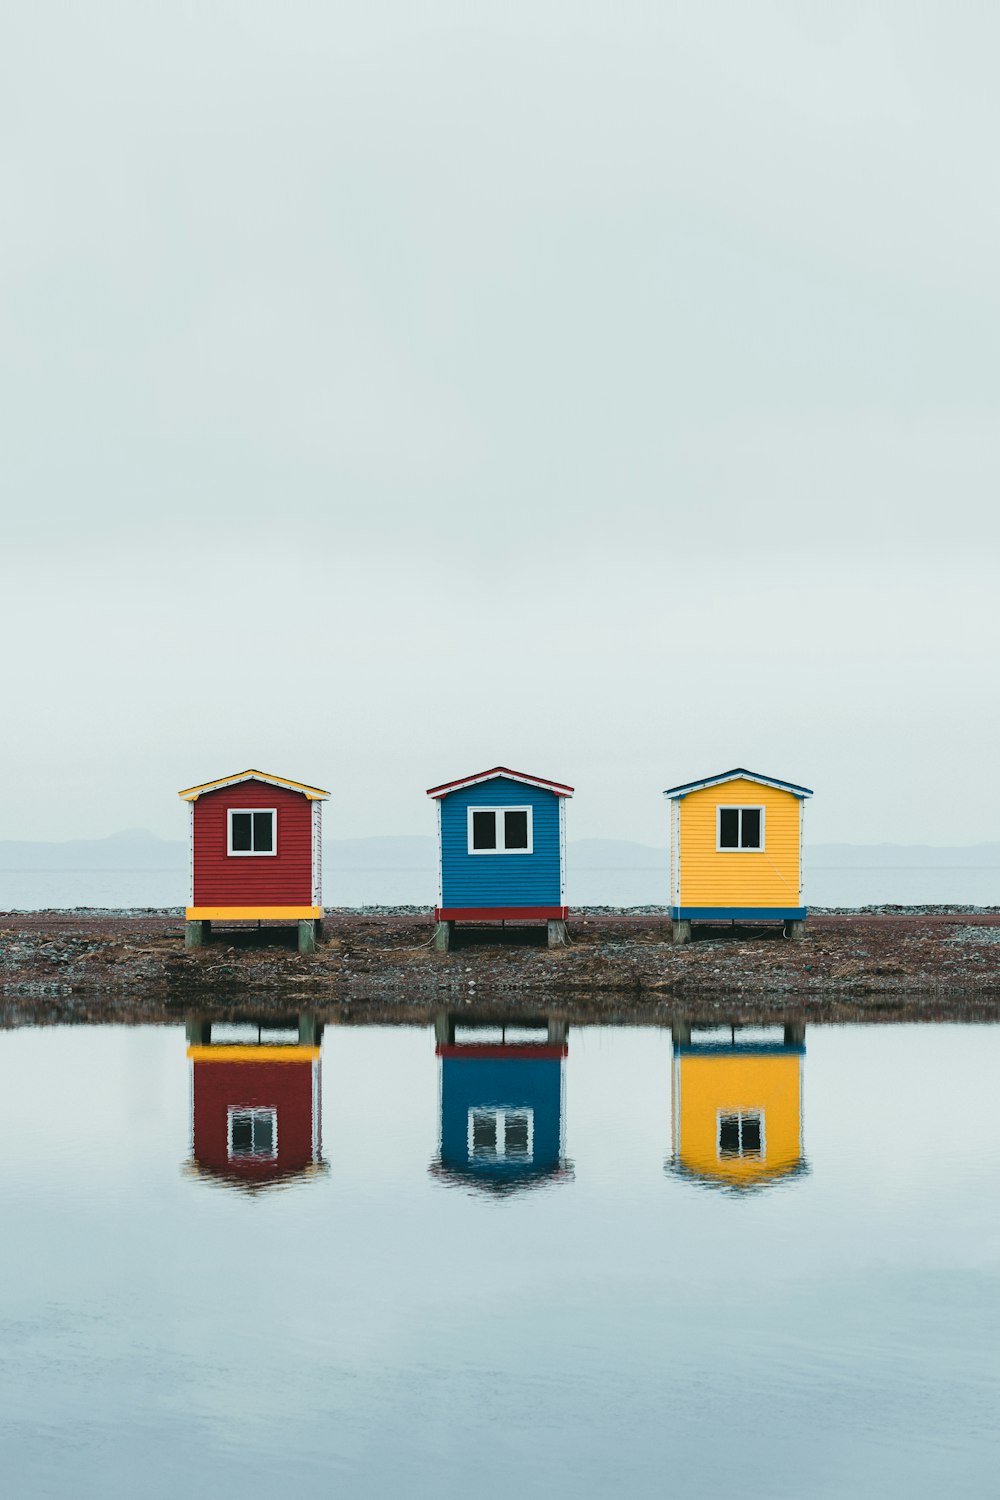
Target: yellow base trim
x: 253, y: 913
x: 253, y: 1054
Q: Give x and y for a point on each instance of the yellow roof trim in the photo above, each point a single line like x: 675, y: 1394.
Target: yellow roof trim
x: 314, y: 793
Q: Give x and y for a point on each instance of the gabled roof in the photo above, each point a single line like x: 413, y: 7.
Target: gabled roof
x: 737, y: 774
x: 453, y: 786
x: 314, y: 793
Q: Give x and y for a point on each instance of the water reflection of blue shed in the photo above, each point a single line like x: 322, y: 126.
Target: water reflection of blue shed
x: 501, y: 1103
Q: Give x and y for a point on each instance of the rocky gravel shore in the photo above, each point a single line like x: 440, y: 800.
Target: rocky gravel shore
x: 379, y: 960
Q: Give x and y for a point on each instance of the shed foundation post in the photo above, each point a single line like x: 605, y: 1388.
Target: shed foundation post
x: 558, y: 937
x: 795, y: 1034
x: 441, y: 940
x: 681, y: 1033
x: 310, y: 1029
x: 444, y: 1029
x: 795, y: 931
x: 682, y: 932
x: 196, y: 934
x: 307, y: 935
x: 556, y: 1032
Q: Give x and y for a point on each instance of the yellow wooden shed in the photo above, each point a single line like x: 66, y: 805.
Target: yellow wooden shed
x: 737, y: 1107
x: 736, y: 851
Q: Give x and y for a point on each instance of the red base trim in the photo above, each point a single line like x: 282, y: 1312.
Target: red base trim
x: 530, y: 1050
x: 500, y: 913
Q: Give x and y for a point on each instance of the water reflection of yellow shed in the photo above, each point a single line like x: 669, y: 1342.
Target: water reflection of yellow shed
x: 737, y: 1105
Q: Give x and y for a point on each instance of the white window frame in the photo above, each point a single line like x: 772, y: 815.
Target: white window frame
x: 253, y: 1109
x: 500, y: 1114
x: 740, y: 807
x: 740, y: 1155
x: 501, y: 825
x: 252, y: 853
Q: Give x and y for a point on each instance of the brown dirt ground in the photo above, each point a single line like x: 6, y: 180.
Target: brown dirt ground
x: 79, y: 966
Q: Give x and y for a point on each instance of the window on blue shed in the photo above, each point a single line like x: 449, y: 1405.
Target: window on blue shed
x: 500, y: 830
x: 499, y: 1135
x: 740, y: 828
x: 484, y: 829
x: 515, y: 828
x: 251, y: 831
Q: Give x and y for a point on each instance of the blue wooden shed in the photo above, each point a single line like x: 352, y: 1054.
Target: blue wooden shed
x: 501, y: 1105
x: 501, y: 851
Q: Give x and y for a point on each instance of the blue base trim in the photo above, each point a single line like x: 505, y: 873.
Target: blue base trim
x: 739, y: 913
x: 747, y: 1049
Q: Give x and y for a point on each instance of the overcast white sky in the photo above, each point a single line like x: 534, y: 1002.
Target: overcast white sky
x: 609, y: 390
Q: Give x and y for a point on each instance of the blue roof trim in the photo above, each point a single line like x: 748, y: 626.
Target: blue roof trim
x: 737, y: 771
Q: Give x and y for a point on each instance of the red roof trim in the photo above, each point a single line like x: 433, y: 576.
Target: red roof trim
x: 559, y: 787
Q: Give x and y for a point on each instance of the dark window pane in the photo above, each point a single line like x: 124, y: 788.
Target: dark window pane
x: 484, y: 1134
x: 729, y: 827
x: 516, y: 825
x: 263, y: 1135
x: 751, y: 828
x: 729, y: 1135
x: 484, y: 830
x: 751, y: 1135
x: 516, y: 1135
x: 242, y: 832
x: 242, y: 1135
x: 263, y: 840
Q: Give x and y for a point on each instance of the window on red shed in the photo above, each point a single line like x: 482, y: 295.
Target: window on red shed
x: 252, y: 830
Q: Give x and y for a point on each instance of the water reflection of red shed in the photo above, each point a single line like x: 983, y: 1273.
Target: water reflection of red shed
x: 255, y: 1100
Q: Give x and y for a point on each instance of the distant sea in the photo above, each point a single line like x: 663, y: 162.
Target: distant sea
x: 138, y: 870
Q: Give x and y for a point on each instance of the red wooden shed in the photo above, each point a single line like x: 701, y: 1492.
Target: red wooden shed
x: 256, y: 853
x: 255, y: 1105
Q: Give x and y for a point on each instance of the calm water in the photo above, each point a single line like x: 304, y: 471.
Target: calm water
x: 454, y: 1262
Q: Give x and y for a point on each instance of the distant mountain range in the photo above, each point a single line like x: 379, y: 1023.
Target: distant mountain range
x: 137, y: 849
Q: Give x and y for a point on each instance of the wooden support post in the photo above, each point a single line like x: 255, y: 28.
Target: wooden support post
x: 682, y: 932
x: 199, y: 1031
x: 556, y: 1032
x: 307, y: 935
x: 196, y: 934
x: 795, y: 931
x: 310, y: 1029
x: 444, y: 1029
x: 795, y: 1034
x: 558, y: 937
x: 441, y: 940
x: 681, y: 1033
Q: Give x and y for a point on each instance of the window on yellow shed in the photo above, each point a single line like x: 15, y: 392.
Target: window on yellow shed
x: 741, y: 1134
x: 740, y: 828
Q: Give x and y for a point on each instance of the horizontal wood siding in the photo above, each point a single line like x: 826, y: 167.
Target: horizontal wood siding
x: 743, y: 878
x: 488, y: 880
x: 285, y: 1087
x: 222, y: 879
